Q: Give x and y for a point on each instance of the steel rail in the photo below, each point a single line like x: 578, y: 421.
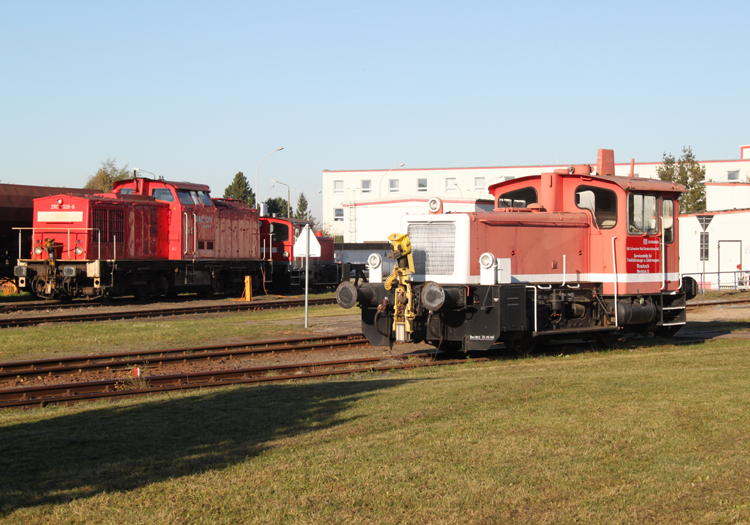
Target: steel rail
x: 702, y: 304
x: 9, y: 322
x: 156, y: 358
x: 74, y: 392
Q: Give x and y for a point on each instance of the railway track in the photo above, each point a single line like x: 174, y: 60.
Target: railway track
x: 159, y: 359
x: 45, y: 395
x: 17, y: 321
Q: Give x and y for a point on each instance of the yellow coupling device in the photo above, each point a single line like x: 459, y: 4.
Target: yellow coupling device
x: 403, y: 305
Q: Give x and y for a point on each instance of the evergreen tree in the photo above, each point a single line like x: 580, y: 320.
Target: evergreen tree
x: 277, y: 206
x: 688, y: 172
x: 240, y: 190
x: 106, y: 176
x: 302, y: 211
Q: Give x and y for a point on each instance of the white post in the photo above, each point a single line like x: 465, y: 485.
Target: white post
x: 307, y: 262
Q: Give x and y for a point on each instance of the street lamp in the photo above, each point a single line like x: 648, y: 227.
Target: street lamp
x: 269, y: 189
x: 288, y: 194
x: 383, y: 176
x: 256, y: 173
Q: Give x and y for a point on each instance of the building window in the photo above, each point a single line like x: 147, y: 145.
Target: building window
x: 421, y: 185
x: 450, y: 184
x: 393, y: 185
x: 338, y: 186
x: 338, y: 214
x: 478, y: 183
x: 366, y: 186
x: 733, y: 175
x: 704, y: 246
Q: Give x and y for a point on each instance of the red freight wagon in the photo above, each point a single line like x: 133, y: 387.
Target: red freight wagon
x: 573, y: 253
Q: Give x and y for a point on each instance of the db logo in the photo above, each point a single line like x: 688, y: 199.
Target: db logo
x: 645, y: 241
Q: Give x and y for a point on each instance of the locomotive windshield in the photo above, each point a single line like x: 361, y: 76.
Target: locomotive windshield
x: 280, y: 231
x: 517, y: 199
x: 162, y: 194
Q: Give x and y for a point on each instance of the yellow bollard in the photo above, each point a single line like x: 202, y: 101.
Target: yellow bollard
x: 248, y: 295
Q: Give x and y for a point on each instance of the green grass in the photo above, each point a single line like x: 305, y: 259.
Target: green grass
x: 55, y: 340
x: 657, y: 435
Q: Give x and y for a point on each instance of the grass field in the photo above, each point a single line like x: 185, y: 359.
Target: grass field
x: 657, y: 435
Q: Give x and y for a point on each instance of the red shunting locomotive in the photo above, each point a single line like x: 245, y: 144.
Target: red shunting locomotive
x: 152, y: 237
x: 564, y: 254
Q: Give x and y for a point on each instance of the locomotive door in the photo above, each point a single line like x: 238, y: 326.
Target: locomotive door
x: 188, y: 232
x: 670, y: 256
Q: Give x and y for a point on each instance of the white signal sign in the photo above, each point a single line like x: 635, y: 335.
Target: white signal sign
x: 307, y: 244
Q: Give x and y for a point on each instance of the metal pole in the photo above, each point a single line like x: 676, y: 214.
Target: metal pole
x: 307, y: 262
x: 256, y: 176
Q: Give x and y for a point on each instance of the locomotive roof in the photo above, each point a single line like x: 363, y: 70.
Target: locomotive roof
x: 180, y: 185
x: 626, y: 183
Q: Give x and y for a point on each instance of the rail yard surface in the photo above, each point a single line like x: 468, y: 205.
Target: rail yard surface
x: 638, y: 434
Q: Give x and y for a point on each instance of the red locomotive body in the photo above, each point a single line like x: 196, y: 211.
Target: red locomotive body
x: 152, y: 237
x: 278, y: 235
x: 567, y: 253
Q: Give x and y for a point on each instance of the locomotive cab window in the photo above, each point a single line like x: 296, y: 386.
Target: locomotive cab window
x: 600, y: 202
x: 162, y: 194
x: 667, y: 220
x: 205, y: 198
x: 186, y: 197
x: 126, y: 191
x: 280, y: 231
x: 642, y: 214
x: 517, y: 199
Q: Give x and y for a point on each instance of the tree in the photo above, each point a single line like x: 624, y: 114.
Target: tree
x: 240, y: 190
x: 302, y: 212
x: 107, y: 175
x: 688, y: 172
x: 277, y: 206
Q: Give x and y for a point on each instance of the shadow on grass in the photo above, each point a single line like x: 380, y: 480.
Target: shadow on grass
x: 119, y: 447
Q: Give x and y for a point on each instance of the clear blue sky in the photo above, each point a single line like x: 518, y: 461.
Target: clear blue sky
x: 200, y: 90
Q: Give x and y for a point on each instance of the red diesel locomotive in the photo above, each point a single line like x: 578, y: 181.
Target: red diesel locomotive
x: 576, y: 251
x: 151, y: 237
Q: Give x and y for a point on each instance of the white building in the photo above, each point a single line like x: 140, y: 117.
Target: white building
x: 367, y: 205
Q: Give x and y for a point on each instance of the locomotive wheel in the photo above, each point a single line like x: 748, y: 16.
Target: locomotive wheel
x: 450, y: 349
x: 520, y: 345
x: 608, y: 340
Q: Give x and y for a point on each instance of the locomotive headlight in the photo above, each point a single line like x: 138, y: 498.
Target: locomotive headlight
x: 59, y: 201
x: 375, y: 268
x: 487, y: 260
x: 374, y: 260
x: 286, y: 254
x: 79, y: 250
x: 487, y: 270
x: 433, y: 296
x: 38, y: 250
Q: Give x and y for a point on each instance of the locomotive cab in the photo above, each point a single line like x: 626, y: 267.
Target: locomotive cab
x: 572, y: 253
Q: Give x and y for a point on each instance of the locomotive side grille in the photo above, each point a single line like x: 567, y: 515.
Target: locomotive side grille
x: 433, y: 247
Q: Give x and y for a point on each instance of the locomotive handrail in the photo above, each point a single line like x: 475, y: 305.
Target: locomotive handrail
x: 535, y: 307
x: 186, y: 233
x: 33, y: 231
x: 614, y: 265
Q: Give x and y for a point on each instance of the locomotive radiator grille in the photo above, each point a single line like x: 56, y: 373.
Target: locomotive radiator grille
x: 433, y: 247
